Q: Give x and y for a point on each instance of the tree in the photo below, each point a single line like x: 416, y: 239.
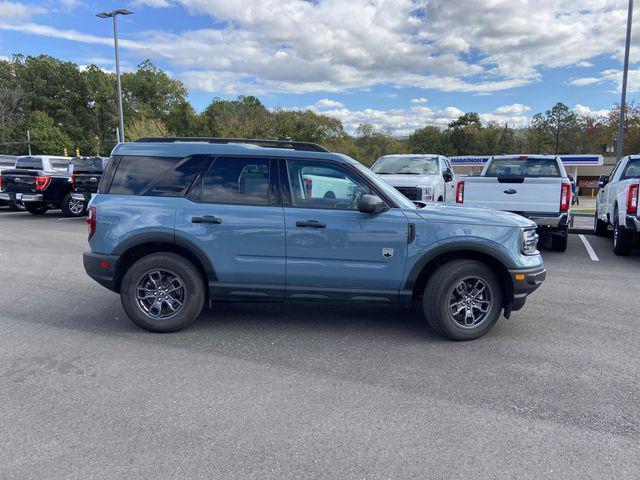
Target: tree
x: 538, y: 136
x: 560, y: 120
x: 430, y: 139
x: 470, y: 118
x: 46, y: 137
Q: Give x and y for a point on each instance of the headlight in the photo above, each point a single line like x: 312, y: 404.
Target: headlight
x: 529, y: 241
x: 427, y: 192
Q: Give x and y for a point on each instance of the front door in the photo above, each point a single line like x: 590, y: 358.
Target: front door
x: 333, y: 250
x: 234, y: 215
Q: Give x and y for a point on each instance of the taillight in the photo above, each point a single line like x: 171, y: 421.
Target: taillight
x: 632, y: 199
x: 73, y: 182
x: 42, y: 183
x: 1, y: 183
x: 91, y: 222
x: 308, y: 186
x: 565, y: 197
x: 460, y: 192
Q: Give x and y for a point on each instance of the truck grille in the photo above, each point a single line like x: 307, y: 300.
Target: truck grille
x: 412, y: 193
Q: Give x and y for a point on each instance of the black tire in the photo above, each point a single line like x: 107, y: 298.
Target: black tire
x: 559, y: 242
x: 329, y: 195
x: 192, y: 293
x: 16, y: 206
x: 622, y: 238
x: 73, y: 208
x: 36, y: 208
x: 599, y: 226
x: 441, y: 289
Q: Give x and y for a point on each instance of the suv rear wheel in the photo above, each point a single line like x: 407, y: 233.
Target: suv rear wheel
x: 162, y: 292
x: 463, y: 299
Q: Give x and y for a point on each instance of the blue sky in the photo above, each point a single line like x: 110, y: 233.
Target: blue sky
x: 400, y: 64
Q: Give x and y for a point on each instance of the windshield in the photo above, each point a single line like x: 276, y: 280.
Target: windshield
x: 406, y: 165
x: 93, y: 164
x: 30, y: 163
x: 525, y: 167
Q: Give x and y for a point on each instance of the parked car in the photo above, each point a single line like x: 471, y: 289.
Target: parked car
x: 617, y: 204
x: 419, y: 177
x: 177, y: 224
x: 533, y: 186
x: 8, y: 162
x: 42, y: 182
x: 86, y: 173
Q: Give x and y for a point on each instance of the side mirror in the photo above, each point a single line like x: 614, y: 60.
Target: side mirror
x: 371, y: 204
x: 447, y: 175
x: 603, y: 180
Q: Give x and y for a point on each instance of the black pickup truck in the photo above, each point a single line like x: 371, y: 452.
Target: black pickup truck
x: 42, y: 183
x: 86, y: 173
x: 8, y: 162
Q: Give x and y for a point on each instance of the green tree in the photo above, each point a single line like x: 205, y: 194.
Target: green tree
x: 430, y: 139
x: 560, y: 121
x: 46, y: 137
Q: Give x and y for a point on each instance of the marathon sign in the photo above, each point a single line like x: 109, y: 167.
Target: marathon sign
x: 569, y: 160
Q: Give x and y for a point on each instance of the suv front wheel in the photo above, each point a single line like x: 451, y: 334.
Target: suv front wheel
x: 463, y: 299
x: 162, y: 292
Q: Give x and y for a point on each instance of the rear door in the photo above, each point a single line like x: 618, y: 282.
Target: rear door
x: 234, y: 215
x: 333, y: 250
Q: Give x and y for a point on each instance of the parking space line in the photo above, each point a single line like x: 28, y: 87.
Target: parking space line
x: 590, y: 250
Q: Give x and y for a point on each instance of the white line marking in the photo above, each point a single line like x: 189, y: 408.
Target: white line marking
x: 12, y: 212
x: 590, y: 251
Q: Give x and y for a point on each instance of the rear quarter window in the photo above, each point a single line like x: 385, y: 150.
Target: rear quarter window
x: 154, y: 176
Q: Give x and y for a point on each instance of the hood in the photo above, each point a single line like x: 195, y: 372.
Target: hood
x: 412, y: 180
x: 450, y: 213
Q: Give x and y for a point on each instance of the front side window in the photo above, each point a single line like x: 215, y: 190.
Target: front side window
x: 315, y: 185
x: 632, y: 170
x: 529, y: 167
x: 236, y: 181
x: 406, y: 165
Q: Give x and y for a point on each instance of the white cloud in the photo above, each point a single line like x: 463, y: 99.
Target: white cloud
x: 512, y: 115
x: 419, y: 100
x: 153, y: 3
x: 585, y: 111
x: 13, y: 11
x: 328, y: 103
x: 584, y: 64
x: 298, y: 46
x: 581, y: 82
x: 513, y: 109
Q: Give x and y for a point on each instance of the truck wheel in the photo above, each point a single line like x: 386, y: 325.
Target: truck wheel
x: 73, y: 208
x: 599, y: 226
x: 36, y: 208
x: 559, y: 242
x: 463, y: 299
x: 162, y: 292
x: 622, y: 239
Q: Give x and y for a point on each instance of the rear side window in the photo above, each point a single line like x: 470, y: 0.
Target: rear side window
x: 155, y: 176
x: 31, y: 163
x: 236, y: 181
x: 530, y: 167
x: 59, y: 165
x: 632, y: 170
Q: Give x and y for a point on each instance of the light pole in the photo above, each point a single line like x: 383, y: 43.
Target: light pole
x: 623, y: 99
x: 114, y: 14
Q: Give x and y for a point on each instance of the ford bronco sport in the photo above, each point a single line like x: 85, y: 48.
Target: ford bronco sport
x: 181, y: 222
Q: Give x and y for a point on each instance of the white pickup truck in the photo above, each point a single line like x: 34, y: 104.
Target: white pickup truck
x: 421, y: 177
x: 617, y: 204
x: 534, y: 186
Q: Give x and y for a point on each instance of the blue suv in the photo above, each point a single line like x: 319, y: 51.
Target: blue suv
x: 181, y: 222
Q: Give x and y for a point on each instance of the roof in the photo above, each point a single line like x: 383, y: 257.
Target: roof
x: 167, y: 148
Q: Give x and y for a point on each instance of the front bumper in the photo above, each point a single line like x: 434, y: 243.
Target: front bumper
x: 102, y: 268
x: 525, y: 281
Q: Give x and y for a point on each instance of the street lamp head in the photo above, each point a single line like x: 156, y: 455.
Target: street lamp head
x: 123, y: 11
x: 104, y: 15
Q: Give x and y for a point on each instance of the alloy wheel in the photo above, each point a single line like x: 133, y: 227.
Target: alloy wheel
x: 160, y: 294
x: 470, y: 302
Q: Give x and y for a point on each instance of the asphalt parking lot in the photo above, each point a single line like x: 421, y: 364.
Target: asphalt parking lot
x: 297, y: 391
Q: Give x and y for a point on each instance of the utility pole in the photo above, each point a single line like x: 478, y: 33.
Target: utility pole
x: 625, y: 73
x: 114, y: 14
x: 29, y: 141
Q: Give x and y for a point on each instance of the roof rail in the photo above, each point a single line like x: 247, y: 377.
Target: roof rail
x: 303, y: 146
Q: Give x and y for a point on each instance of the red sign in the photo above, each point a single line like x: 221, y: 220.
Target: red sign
x: 588, y: 183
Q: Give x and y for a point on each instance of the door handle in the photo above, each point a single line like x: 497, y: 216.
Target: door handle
x: 310, y: 223
x: 206, y: 219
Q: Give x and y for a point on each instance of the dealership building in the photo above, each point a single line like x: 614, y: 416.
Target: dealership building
x: 586, y: 169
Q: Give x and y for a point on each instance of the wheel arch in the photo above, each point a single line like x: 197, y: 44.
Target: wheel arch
x: 136, y: 248
x: 498, y: 262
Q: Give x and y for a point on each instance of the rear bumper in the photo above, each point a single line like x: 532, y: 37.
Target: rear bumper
x: 26, y: 197
x: 552, y: 220
x: 525, y: 282
x: 5, y: 197
x: 102, y: 268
